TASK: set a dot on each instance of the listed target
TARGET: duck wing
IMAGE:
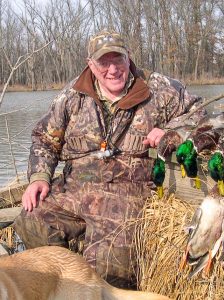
(205, 139)
(193, 226)
(168, 143)
(202, 262)
(205, 240)
(208, 231)
(206, 135)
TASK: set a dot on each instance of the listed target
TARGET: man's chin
(116, 88)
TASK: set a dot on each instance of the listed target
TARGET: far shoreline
(59, 86)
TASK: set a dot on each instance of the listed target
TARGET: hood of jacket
(137, 93)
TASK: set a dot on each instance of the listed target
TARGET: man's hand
(154, 137)
(36, 190)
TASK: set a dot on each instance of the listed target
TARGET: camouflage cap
(105, 42)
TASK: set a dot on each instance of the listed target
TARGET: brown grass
(25, 88)
(59, 86)
(7, 238)
(203, 81)
(161, 242)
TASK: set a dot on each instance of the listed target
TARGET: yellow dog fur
(55, 273)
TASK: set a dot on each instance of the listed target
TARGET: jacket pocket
(133, 142)
(77, 144)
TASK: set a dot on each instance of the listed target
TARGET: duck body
(206, 234)
(188, 141)
(190, 166)
(187, 157)
(216, 170)
(207, 133)
(167, 145)
(158, 175)
(205, 136)
(216, 166)
(206, 227)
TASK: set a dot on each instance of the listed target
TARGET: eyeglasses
(103, 64)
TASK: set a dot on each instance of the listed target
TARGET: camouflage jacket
(74, 126)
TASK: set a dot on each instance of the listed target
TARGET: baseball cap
(104, 42)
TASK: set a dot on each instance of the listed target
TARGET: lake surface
(26, 109)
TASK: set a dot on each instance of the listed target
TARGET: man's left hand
(154, 137)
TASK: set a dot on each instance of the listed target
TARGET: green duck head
(216, 170)
(158, 175)
(184, 150)
(187, 158)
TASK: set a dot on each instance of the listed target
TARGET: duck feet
(183, 172)
(208, 265)
(221, 187)
(183, 261)
(160, 191)
(197, 182)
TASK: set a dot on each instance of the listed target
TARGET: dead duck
(167, 145)
(216, 170)
(203, 137)
(158, 175)
(186, 155)
(206, 234)
(188, 141)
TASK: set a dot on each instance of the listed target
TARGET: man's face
(112, 71)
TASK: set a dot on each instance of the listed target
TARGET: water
(30, 106)
(207, 92)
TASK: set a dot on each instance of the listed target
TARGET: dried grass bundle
(161, 242)
(11, 241)
(7, 237)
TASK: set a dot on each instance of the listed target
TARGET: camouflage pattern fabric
(102, 196)
(108, 202)
(74, 125)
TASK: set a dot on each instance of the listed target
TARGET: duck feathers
(206, 233)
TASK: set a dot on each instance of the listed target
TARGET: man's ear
(129, 56)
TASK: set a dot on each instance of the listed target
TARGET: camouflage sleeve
(48, 138)
(173, 101)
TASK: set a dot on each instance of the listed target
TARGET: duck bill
(183, 172)
(221, 187)
(197, 182)
(160, 191)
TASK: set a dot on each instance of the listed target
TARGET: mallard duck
(205, 235)
(158, 175)
(188, 141)
(186, 155)
(216, 170)
(167, 145)
(205, 136)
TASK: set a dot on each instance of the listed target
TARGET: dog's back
(55, 273)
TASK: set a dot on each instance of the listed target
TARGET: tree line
(179, 38)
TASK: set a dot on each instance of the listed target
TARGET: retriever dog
(56, 273)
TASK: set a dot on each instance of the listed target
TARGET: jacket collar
(137, 93)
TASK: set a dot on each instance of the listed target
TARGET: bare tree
(181, 38)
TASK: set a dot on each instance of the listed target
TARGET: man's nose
(112, 67)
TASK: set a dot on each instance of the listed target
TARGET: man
(101, 125)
